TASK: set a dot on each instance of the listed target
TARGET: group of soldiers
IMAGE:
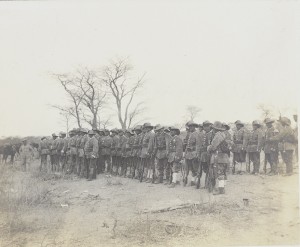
(158, 154)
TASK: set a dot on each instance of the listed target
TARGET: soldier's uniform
(100, 164)
(114, 149)
(191, 152)
(44, 152)
(53, 153)
(254, 145)
(175, 154)
(219, 158)
(147, 162)
(82, 168)
(123, 139)
(60, 150)
(160, 151)
(168, 169)
(128, 153)
(239, 144)
(106, 142)
(72, 152)
(286, 139)
(136, 151)
(91, 150)
(271, 147)
(205, 138)
(26, 152)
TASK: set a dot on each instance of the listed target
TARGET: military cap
(167, 129)
(25, 139)
(269, 120)
(43, 138)
(191, 123)
(121, 131)
(226, 126)
(207, 123)
(158, 127)
(200, 125)
(147, 125)
(106, 131)
(256, 122)
(84, 130)
(91, 132)
(175, 128)
(218, 126)
(114, 130)
(62, 133)
(74, 130)
(239, 122)
(138, 127)
(101, 130)
(129, 131)
(54, 135)
(285, 120)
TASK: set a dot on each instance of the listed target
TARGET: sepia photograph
(141, 123)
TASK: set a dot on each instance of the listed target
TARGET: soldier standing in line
(100, 164)
(129, 153)
(167, 169)
(53, 152)
(106, 141)
(26, 152)
(59, 150)
(136, 150)
(44, 152)
(185, 140)
(254, 145)
(191, 158)
(175, 154)
(270, 147)
(160, 151)
(91, 150)
(205, 138)
(147, 153)
(286, 139)
(120, 152)
(114, 146)
(81, 169)
(77, 144)
(219, 158)
(239, 142)
(72, 151)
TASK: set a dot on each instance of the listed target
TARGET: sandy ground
(117, 212)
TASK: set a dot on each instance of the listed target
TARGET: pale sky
(223, 56)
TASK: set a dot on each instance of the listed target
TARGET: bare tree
(93, 95)
(193, 112)
(123, 90)
(75, 96)
(66, 119)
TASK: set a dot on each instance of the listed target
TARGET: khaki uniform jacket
(72, 145)
(239, 139)
(135, 145)
(54, 145)
(192, 146)
(217, 155)
(44, 147)
(114, 145)
(175, 149)
(106, 142)
(147, 145)
(269, 145)
(285, 138)
(91, 148)
(254, 141)
(160, 145)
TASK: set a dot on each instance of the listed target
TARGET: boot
(91, 175)
(174, 180)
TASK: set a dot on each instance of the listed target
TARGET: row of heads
(217, 125)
